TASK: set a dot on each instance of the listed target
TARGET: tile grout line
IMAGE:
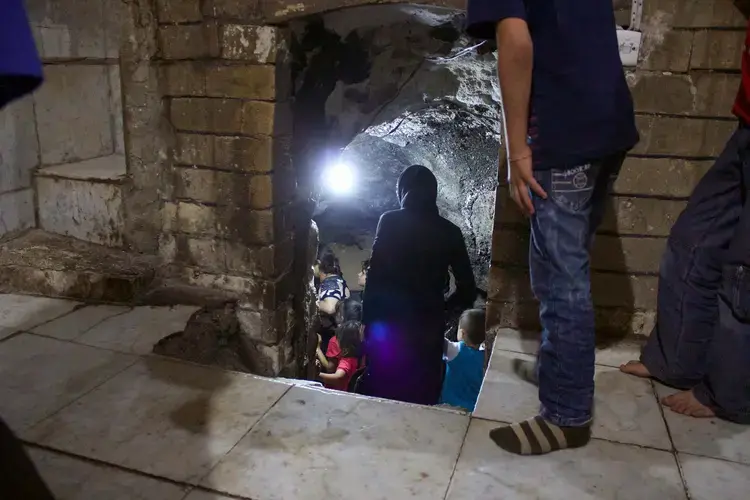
(674, 451)
(458, 457)
(249, 430)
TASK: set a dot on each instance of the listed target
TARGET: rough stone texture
(83, 200)
(697, 14)
(664, 177)
(257, 44)
(249, 154)
(665, 50)
(178, 11)
(700, 94)
(195, 41)
(73, 113)
(229, 116)
(70, 29)
(46, 264)
(256, 191)
(258, 82)
(19, 148)
(16, 211)
(664, 135)
(717, 50)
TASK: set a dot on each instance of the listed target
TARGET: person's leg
(561, 235)
(725, 390)
(690, 275)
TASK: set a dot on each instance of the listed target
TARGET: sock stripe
(557, 432)
(544, 443)
(522, 439)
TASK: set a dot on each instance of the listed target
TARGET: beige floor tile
(504, 396)
(23, 312)
(39, 376)
(75, 324)
(138, 330)
(627, 411)
(600, 471)
(162, 417)
(708, 437)
(512, 340)
(73, 479)
(711, 479)
(317, 444)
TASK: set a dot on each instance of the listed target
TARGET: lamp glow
(339, 178)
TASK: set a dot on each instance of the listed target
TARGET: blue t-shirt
(20, 67)
(581, 109)
(464, 373)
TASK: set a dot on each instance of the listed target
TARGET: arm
(325, 364)
(376, 279)
(466, 286)
(328, 306)
(332, 377)
(450, 350)
(515, 61)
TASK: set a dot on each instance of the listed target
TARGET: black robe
(404, 304)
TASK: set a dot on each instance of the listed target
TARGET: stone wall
(70, 131)
(683, 88)
(227, 216)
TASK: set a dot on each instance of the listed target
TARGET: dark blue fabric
(463, 378)
(702, 335)
(562, 231)
(581, 107)
(20, 67)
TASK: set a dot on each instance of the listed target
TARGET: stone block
(662, 135)
(607, 289)
(229, 116)
(258, 293)
(265, 327)
(251, 227)
(696, 13)
(666, 50)
(116, 12)
(184, 78)
(19, 148)
(16, 211)
(665, 177)
(701, 94)
(249, 154)
(236, 9)
(83, 200)
(717, 50)
(641, 216)
(178, 11)
(257, 44)
(246, 82)
(115, 103)
(216, 187)
(632, 255)
(193, 41)
(67, 30)
(73, 113)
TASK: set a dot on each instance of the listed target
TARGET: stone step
(83, 199)
(42, 263)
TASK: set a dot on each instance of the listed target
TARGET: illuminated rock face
(384, 88)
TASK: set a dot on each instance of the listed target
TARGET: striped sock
(537, 436)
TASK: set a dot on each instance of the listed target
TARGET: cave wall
(684, 87)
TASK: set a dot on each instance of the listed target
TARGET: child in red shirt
(341, 360)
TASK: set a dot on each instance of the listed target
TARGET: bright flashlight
(339, 178)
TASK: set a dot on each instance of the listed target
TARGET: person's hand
(320, 340)
(521, 179)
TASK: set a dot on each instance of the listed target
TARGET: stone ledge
(110, 168)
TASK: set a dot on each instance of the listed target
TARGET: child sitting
(464, 362)
(341, 361)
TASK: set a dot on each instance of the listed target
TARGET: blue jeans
(701, 340)
(562, 232)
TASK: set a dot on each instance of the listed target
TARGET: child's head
(348, 337)
(348, 310)
(362, 277)
(471, 327)
(328, 264)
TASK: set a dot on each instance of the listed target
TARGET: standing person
(20, 74)
(569, 122)
(403, 306)
(331, 291)
(701, 340)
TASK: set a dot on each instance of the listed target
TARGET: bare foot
(635, 368)
(686, 403)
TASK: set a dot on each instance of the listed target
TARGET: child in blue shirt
(465, 362)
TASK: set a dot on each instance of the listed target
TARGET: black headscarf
(417, 189)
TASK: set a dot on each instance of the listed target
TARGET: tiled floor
(105, 419)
